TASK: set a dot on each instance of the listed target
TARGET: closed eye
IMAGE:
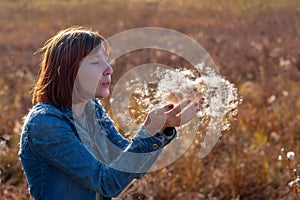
(95, 62)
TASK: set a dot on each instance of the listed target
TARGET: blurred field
(256, 45)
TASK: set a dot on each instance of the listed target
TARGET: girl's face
(94, 74)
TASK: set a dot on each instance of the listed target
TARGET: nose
(108, 71)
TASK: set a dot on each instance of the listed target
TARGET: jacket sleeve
(57, 145)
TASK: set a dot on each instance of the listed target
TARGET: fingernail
(170, 106)
(201, 101)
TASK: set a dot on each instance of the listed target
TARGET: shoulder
(46, 118)
(43, 111)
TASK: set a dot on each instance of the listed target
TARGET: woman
(69, 147)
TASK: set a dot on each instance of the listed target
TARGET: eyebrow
(93, 56)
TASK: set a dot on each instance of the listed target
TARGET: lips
(106, 84)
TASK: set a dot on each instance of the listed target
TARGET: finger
(161, 110)
(189, 113)
(185, 116)
(169, 107)
(201, 101)
(180, 107)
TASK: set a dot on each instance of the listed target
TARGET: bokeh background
(256, 46)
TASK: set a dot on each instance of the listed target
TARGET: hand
(168, 116)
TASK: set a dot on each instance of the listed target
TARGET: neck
(78, 108)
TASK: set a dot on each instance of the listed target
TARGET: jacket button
(155, 146)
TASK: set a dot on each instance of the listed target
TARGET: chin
(102, 95)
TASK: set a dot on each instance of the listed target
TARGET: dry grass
(254, 43)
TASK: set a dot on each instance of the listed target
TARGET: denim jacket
(66, 156)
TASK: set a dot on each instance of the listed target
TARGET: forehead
(98, 50)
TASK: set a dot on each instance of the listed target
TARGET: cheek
(89, 79)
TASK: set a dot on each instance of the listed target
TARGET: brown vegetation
(255, 44)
